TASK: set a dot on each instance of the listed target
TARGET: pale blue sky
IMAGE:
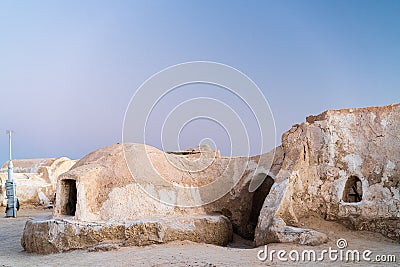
(68, 69)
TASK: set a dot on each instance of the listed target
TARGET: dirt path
(183, 253)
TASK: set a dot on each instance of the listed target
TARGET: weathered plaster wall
(309, 172)
(107, 191)
(321, 155)
(36, 179)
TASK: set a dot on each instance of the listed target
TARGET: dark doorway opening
(257, 203)
(352, 190)
(70, 197)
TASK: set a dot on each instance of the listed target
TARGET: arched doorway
(352, 190)
(257, 202)
(68, 197)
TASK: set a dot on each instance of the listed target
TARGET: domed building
(134, 194)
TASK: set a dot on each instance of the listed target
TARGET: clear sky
(69, 68)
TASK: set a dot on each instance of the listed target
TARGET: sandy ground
(187, 253)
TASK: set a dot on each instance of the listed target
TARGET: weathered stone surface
(36, 179)
(279, 232)
(51, 236)
(321, 156)
(108, 191)
(342, 165)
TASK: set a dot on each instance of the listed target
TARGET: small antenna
(10, 132)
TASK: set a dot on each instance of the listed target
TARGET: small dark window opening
(70, 197)
(257, 203)
(353, 190)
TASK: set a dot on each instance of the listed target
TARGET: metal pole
(9, 140)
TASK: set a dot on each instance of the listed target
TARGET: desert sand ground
(239, 253)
